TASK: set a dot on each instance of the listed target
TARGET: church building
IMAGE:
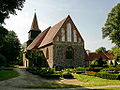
(61, 44)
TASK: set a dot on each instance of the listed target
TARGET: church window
(63, 34)
(57, 38)
(75, 35)
(47, 54)
(69, 32)
(79, 39)
(69, 53)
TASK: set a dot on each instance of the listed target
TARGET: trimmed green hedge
(107, 75)
(50, 76)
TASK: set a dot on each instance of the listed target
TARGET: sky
(89, 17)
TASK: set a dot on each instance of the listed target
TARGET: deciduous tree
(11, 47)
(101, 50)
(112, 25)
(9, 7)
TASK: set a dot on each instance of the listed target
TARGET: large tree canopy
(112, 25)
(11, 47)
(3, 32)
(116, 51)
(8, 7)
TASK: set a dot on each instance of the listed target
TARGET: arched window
(47, 54)
(69, 53)
(75, 35)
(63, 34)
(57, 38)
(69, 32)
(79, 40)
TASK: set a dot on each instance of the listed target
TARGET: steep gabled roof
(51, 33)
(36, 42)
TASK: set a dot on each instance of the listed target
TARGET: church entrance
(69, 57)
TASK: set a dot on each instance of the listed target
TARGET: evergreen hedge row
(107, 75)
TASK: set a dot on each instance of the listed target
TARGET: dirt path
(27, 79)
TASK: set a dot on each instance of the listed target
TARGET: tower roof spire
(34, 25)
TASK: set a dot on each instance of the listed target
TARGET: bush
(68, 76)
(108, 69)
(2, 60)
(49, 70)
(107, 75)
(97, 69)
(80, 69)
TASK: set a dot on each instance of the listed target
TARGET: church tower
(34, 30)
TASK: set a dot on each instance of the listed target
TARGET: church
(61, 44)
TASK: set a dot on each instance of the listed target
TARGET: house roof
(92, 56)
(38, 39)
(51, 33)
(34, 25)
(109, 56)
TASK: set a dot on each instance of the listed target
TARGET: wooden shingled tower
(34, 30)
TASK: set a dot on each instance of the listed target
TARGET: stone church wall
(59, 51)
(49, 55)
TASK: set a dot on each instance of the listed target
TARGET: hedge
(107, 75)
(51, 76)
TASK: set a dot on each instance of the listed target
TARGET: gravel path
(24, 80)
(27, 79)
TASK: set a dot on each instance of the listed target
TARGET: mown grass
(113, 88)
(88, 81)
(54, 86)
(94, 81)
(7, 74)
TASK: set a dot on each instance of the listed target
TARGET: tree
(8, 7)
(3, 32)
(98, 62)
(112, 26)
(116, 51)
(101, 50)
(36, 59)
(2, 60)
(11, 47)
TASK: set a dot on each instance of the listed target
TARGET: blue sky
(88, 15)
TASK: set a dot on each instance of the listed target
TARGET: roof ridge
(52, 32)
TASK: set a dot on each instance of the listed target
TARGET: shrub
(97, 69)
(80, 69)
(36, 59)
(49, 70)
(107, 75)
(108, 69)
(2, 60)
(98, 63)
(68, 76)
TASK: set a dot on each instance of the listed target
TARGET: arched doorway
(69, 56)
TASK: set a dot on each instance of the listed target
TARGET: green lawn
(88, 81)
(95, 81)
(53, 86)
(113, 88)
(7, 74)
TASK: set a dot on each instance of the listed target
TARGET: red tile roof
(51, 33)
(47, 37)
(36, 42)
(92, 56)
